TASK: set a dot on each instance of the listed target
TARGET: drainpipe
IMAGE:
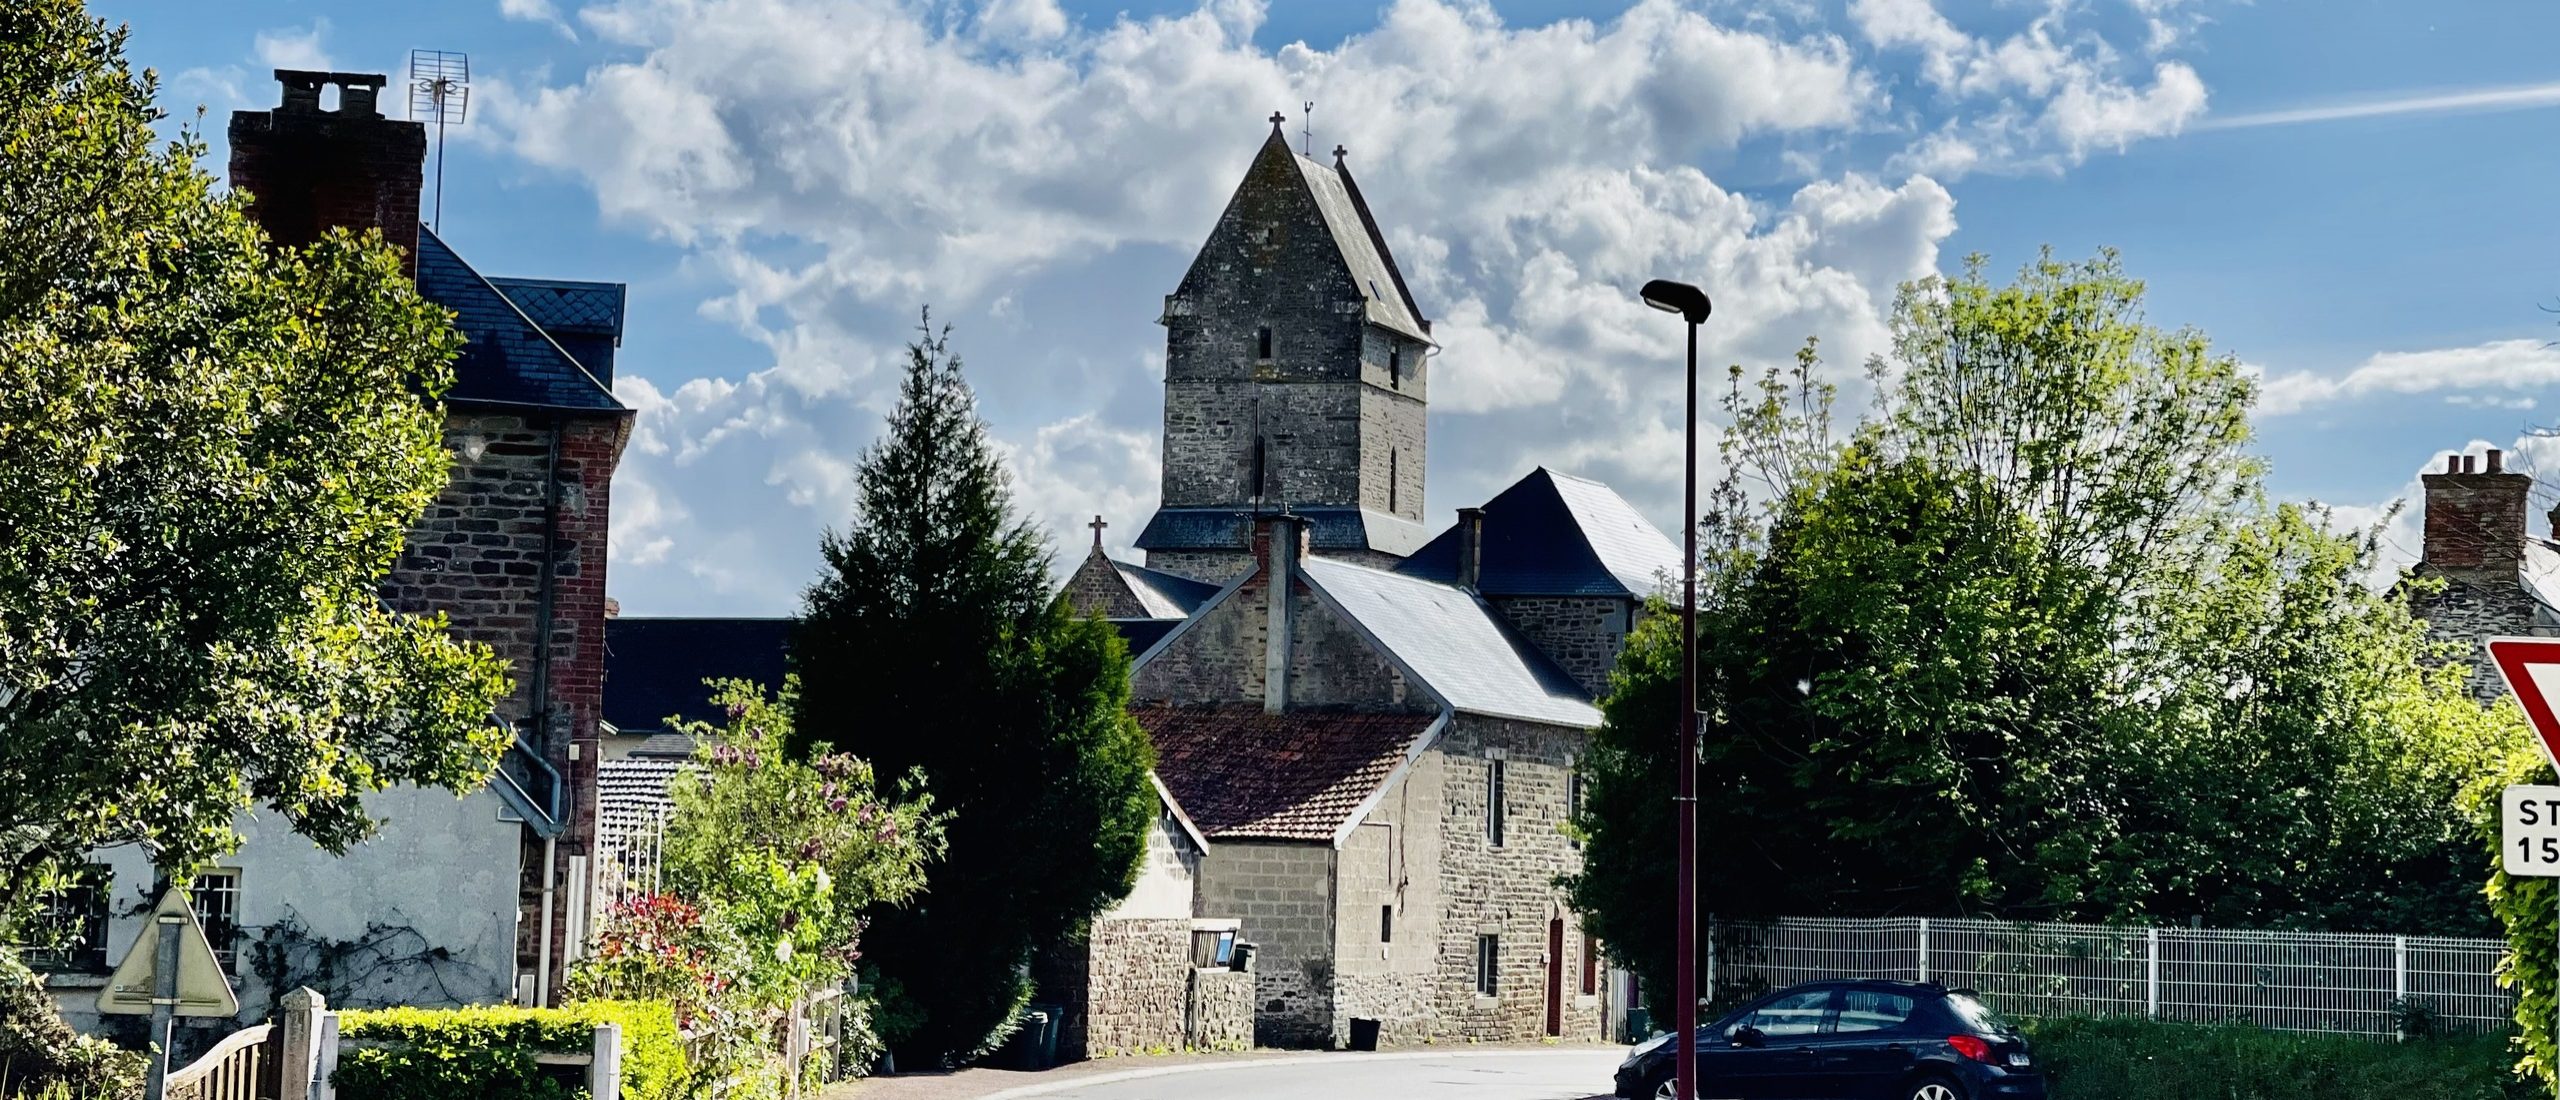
(542, 617)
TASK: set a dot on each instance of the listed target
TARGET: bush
(487, 1053)
(41, 1056)
(2137, 1059)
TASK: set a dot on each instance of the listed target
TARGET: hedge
(2138, 1059)
(487, 1052)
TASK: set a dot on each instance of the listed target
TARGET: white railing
(2291, 981)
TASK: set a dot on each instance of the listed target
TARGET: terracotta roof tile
(1243, 774)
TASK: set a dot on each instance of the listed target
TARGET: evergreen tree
(931, 642)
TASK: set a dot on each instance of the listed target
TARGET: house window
(1488, 964)
(1262, 343)
(1493, 809)
(74, 924)
(1395, 367)
(1590, 965)
(1386, 924)
(216, 895)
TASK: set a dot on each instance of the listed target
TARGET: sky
(2352, 197)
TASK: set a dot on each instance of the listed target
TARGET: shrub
(41, 1056)
(2137, 1059)
(488, 1053)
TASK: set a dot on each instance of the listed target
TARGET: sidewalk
(975, 1083)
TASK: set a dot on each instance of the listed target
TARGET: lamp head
(1688, 301)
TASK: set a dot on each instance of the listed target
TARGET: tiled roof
(631, 793)
(1164, 595)
(566, 304)
(1243, 774)
(654, 668)
(506, 358)
(1454, 643)
(1355, 235)
(1553, 534)
(1329, 528)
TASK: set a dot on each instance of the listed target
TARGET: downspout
(542, 616)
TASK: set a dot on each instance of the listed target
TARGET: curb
(1047, 1087)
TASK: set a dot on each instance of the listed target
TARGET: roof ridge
(1395, 273)
(428, 233)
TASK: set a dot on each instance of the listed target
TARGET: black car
(1848, 1040)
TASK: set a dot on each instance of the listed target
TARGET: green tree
(209, 454)
(2031, 643)
(931, 642)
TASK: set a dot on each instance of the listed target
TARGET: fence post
(299, 1055)
(2151, 974)
(604, 1075)
(2399, 968)
(1924, 949)
(325, 1056)
(1711, 956)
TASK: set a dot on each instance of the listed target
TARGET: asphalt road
(1474, 1075)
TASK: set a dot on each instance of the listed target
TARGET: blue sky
(2351, 195)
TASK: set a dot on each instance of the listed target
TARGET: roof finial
(1307, 131)
(1338, 153)
(1097, 526)
(1276, 119)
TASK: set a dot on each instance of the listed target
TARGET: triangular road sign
(2531, 667)
(203, 989)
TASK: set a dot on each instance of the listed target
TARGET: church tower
(1294, 378)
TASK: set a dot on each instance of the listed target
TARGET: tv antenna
(440, 84)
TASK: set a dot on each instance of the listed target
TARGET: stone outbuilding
(2497, 578)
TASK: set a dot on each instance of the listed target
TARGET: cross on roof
(1276, 119)
(1097, 526)
(1339, 151)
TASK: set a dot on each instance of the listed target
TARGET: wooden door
(1555, 976)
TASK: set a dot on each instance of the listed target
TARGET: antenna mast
(1307, 130)
(440, 83)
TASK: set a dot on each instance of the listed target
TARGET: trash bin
(1241, 958)
(1364, 1034)
(1052, 1019)
(1021, 1050)
(1639, 1026)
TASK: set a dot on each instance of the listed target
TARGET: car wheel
(1668, 1089)
(1936, 1088)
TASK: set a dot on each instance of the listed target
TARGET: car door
(1869, 1049)
(1767, 1053)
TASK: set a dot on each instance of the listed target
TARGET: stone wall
(1219, 658)
(1388, 885)
(1221, 1010)
(1283, 894)
(1508, 891)
(1138, 987)
(2471, 612)
(1216, 567)
(1096, 588)
(1581, 634)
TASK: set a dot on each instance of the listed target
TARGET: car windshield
(1979, 1015)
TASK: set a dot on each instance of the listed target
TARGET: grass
(2137, 1059)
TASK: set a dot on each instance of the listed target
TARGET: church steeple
(1294, 376)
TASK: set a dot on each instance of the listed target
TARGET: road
(1473, 1075)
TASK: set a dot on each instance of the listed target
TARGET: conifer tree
(931, 642)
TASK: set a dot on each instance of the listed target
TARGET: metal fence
(2290, 981)
(630, 861)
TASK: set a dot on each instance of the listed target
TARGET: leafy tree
(2031, 643)
(2528, 909)
(931, 642)
(209, 454)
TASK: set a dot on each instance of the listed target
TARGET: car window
(1975, 1014)
(1793, 1014)
(1872, 1010)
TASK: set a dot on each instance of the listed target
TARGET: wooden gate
(1555, 976)
(245, 1065)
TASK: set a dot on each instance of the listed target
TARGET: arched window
(1262, 343)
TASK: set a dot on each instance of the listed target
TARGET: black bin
(1364, 1034)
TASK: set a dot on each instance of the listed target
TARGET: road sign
(2529, 831)
(201, 988)
(2531, 667)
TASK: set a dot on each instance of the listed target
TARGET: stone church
(1371, 727)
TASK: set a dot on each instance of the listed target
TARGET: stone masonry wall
(1216, 567)
(2473, 611)
(1283, 895)
(1582, 634)
(1216, 659)
(1138, 986)
(1221, 1010)
(477, 556)
(1394, 428)
(1388, 884)
(1097, 589)
(1508, 891)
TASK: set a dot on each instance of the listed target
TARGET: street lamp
(1692, 305)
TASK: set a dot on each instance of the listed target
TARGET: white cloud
(295, 48)
(2500, 365)
(2514, 97)
(537, 11)
(832, 164)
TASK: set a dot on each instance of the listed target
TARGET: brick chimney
(308, 170)
(1279, 544)
(1470, 547)
(2475, 518)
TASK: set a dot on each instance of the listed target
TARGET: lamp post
(1692, 305)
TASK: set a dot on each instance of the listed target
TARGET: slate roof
(1164, 595)
(2539, 572)
(631, 793)
(1242, 774)
(1553, 534)
(1142, 634)
(584, 318)
(655, 667)
(1329, 528)
(1364, 250)
(506, 358)
(1454, 643)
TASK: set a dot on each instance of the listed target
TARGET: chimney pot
(2497, 460)
(1470, 547)
(2453, 464)
(2466, 464)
